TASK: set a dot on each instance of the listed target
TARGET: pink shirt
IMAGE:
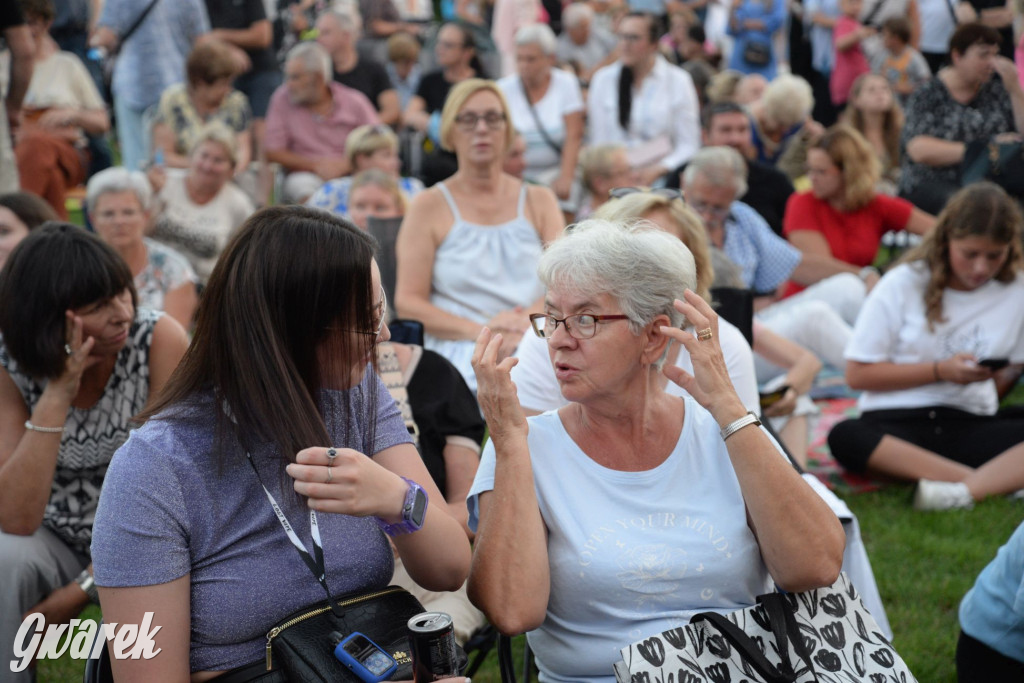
(296, 129)
(849, 63)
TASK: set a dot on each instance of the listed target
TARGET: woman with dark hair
(275, 398)
(928, 351)
(79, 361)
(20, 214)
(644, 102)
(963, 105)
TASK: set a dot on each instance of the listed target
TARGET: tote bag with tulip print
(823, 636)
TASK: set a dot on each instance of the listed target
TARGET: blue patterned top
(765, 259)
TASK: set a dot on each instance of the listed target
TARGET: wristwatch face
(419, 508)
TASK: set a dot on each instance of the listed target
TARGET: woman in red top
(843, 216)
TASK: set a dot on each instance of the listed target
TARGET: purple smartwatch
(414, 510)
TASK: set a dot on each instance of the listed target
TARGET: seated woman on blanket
(919, 352)
(626, 549)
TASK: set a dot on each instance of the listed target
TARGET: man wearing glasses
(818, 318)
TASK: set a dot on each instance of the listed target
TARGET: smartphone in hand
(772, 397)
(994, 363)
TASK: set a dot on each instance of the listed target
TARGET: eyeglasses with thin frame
(718, 213)
(668, 193)
(579, 326)
(468, 121)
(380, 310)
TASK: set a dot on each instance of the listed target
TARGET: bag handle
(785, 629)
(743, 644)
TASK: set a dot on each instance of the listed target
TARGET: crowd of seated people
(563, 232)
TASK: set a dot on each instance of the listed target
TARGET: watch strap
(408, 525)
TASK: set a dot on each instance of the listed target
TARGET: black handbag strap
(536, 119)
(138, 22)
(744, 645)
(785, 629)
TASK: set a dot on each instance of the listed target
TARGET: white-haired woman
(200, 210)
(783, 128)
(119, 209)
(625, 550)
(547, 108)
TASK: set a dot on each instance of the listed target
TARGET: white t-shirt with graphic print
(987, 322)
(633, 553)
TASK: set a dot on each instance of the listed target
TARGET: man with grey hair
(582, 44)
(309, 119)
(338, 32)
(712, 181)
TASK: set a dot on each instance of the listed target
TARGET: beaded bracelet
(44, 430)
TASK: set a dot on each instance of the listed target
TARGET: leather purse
(999, 162)
(301, 644)
(757, 53)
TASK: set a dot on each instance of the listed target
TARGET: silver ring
(332, 453)
(329, 475)
(68, 350)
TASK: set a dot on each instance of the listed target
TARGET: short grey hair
(576, 13)
(118, 179)
(313, 57)
(646, 269)
(540, 35)
(720, 166)
(348, 21)
(788, 100)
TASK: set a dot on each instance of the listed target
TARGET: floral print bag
(824, 636)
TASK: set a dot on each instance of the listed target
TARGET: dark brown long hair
(271, 324)
(979, 210)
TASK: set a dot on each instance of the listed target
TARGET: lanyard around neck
(315, 562)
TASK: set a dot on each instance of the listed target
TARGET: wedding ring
(705, 334)
(68, 350)
(329, 475)
(332, 453)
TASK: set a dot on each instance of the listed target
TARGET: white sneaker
(942, 495)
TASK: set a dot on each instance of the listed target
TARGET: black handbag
(999, 162)
(757, 53)
(301, 644)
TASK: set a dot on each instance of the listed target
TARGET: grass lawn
(923, 562)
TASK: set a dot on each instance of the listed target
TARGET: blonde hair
(892, 122)
(595, 161)
(457, 98)
(857, 162)
(689, 228)
(722, 87)
(981, 209)
(788, 100)
(381, 179)
(216, 131)
(365, 140)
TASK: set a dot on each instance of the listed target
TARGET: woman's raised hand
(495, 391)
(349, 483)
(512, 324)
(78, 359)
(709, 384)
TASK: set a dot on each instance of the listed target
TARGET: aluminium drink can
(434, 652)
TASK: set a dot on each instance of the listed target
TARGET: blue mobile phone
(365, 658)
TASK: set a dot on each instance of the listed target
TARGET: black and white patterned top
(933, 111)
(91, 436)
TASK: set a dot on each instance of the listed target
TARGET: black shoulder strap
(138, 22)
(536, 119)
(869, 20)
